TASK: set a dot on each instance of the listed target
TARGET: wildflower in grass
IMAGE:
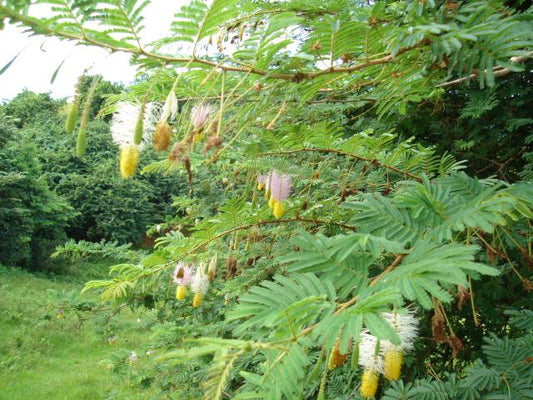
(199, 285)
(406, 326)
(132, 358)
(280, 186)
(182, 277)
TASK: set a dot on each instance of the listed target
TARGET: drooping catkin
(162, 136)
(72, 113)
(129, 156)
(139, 126)
(81, 144)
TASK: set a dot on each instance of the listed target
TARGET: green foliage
(31, 215)
(333, 95)
(504, 373)
(107, 207)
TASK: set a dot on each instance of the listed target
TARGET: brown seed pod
(162, 136)
(231, 267)
(177, 152)
(212, 141)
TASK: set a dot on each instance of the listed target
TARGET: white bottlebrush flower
(369, 357)
(124, 122)
(200, 281)
(406, 326)
(170, 108)
(199, 285)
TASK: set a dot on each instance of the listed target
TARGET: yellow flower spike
(278, 209)
(260, 186)
(392, 364)
(197, 300)
(271, 202)
(369, 384)
(129, 156)
(181, 292)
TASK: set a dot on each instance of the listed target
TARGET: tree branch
(343, 153)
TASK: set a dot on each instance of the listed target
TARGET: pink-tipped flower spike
(199, 115)
(182, 277)
(261, 179)
(199, 285)
(280, 189)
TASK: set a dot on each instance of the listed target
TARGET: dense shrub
(108, 207)
(32, 217)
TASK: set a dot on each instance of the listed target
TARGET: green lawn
(43, 356)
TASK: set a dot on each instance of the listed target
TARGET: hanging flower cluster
(277, 188)
(200, 114)
(130, 123)
(196, 278)
(383, 357)
(163, 130)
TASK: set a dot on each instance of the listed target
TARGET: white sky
(34, 67)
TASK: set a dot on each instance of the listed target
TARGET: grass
(54, 344)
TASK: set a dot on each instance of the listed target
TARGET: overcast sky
(40, 56)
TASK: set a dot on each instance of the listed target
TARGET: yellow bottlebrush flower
(129, 156)
(162, 136)
(369, 384)
(392, 364)
(181, 292)
(197, 300)
(278, 209)
(271, 202)
(199, 286)
(197, 138)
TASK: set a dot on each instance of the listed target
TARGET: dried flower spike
(162, 136)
